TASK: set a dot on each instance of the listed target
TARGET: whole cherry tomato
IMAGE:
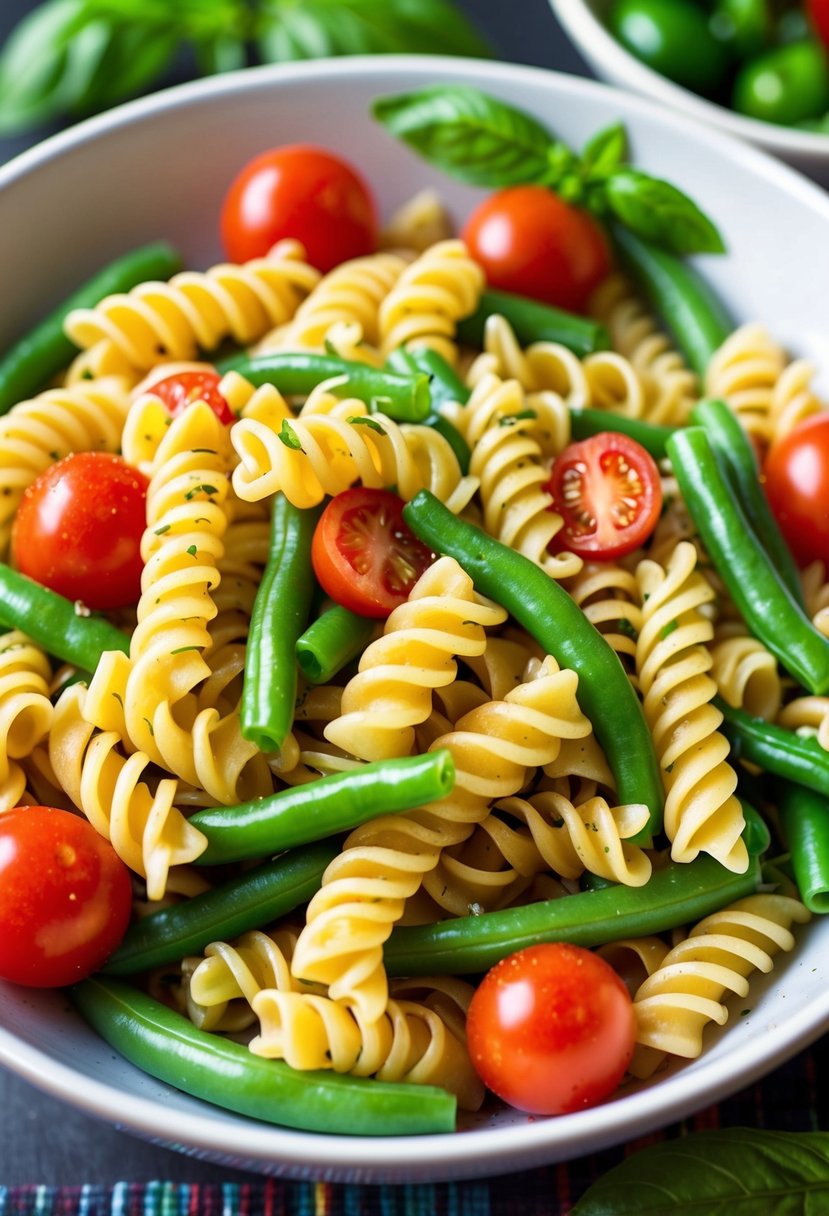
(818, 11)
(183, 388)
(796, 476)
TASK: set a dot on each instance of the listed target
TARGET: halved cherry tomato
(551, 1029)
(796, 476)
(182, 389)
(65, 897)
(304, 192)
(78, 529)
(530, 242)
(363, 553)
(608, 491)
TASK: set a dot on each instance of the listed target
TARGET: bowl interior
(158, 168)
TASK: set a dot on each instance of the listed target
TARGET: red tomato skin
(551, 1029)
(374, 515)
(530, 242)
(182, 389)
(796, 478)
(818, 11)
(304, 192)
(65, 897)
(78, 530)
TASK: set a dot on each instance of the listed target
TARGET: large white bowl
(584, 22)
(158, 168)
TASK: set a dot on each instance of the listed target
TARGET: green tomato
(674, 38)
(743, 25)
(787, 85)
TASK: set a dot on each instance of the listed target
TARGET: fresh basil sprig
(736, 1171)
(484, 141)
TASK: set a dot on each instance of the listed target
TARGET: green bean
(651, 436)
(280, 614)
(405, 398)
(679, 295)
(764, 602)
(556, 622)
(534, 322)
(804, 817)
(313, 811)
(332, 641)
(735, 453)
(219, 1070)
(62, 628)
(45, 350)
(677, 895)
(247, 901)
(445, 386)
(775, 749)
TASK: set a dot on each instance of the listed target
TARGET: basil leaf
(134, 58)
(220, 54)
(659, 212)
(474, 137)
(737, 1171)
(306, 29)
(33, 65)
(605, 151)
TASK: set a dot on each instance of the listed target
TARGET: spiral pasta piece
(420, 222)
(793, 399)
(746, 673)
(744, 373)
(702, 813)
(807, 715)
(158, 321)
(220, 986)
(542, 367)
(392, 691)
(25, 710)
(614, 384)
(438, 289)
(87, 417)
(686, 992)
(146, 830)
(608, 596)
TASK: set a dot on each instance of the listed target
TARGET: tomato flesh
(78, 530)
(65, 897)
(608, 492)
(364, 555)
(796, 476)
(531, 243)
(551, 1029)
(304, 192)
(182, 389)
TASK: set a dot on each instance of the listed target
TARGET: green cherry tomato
(674, 38)
(787, 85)
(745, 26)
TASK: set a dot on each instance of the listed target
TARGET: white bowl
(158, 167)
(583, 20)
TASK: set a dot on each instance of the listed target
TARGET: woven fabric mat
(793, 1098)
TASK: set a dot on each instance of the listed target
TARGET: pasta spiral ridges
(607, 595)
(542, 367)
(25, 710)
(158, 321)
(793, 399)
(745, 672)
(432, 294)
(702, 813)
(744, 373)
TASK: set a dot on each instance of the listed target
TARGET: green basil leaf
(222, 53)
(307, 29)
(736, 1171)
(33, 65)
(474, 137)
(605, 151)
(135, 57)
(660, 213)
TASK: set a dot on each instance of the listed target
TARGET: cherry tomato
(78, 529)
(182, 389)
(65, 897)
(818, 11)
(674, 38)
(608, 491)
(796, 475)
(789, 84)
(551, 1029)
(363, 553)
(530, 242)
(303, 192)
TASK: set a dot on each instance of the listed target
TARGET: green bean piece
(738, 461)
(247, 901)
(445, 386)
(679, 894)
(756, 832)
(168, 1046)
(318, 809)
(534, 322)
(692, 312)
(556, 622)
(331, 642)
(804, 817)
(45, 350)
(775, 749)
(649, 435)
(62, 628)
(280, 615)
(765, 603)
(405, 398)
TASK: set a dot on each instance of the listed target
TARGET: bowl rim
(592, 38)
(488, 1150)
